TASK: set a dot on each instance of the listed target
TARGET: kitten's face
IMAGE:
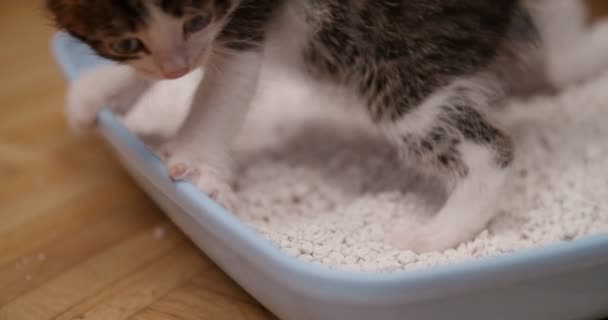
(159, 38)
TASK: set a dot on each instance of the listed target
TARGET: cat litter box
(563, 281)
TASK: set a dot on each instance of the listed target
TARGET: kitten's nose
(173, 65)
(177, 73)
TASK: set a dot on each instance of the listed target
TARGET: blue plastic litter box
(562, 281)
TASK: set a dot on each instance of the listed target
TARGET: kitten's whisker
(213, 65)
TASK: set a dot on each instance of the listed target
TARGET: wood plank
(91, 276)
(598, 8)
(138, 290)
(74, 216)
(215, 280)
(51, 259)
(192, 302)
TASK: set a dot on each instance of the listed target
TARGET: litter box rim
(316, 280)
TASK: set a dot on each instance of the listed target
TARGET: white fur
(148, 118)
(167, 48)
(469, 206)
(570, 49)
(468, 209)
(286, 38)
(113, 86)
(201, 149)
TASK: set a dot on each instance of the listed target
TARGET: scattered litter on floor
(159, 233)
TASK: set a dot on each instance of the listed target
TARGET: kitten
(430, 73)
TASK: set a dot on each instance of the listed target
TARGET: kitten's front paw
(83, 103)
(115, 86)
(216, 187)
(205, 177)
(89, 93)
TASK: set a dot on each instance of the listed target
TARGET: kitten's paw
(180, 164)
(216, 187)
(114, 86)
(207, 178)
(421, 240)
(88, 94)
(83, 104)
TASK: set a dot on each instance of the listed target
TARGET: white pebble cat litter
(328, 192)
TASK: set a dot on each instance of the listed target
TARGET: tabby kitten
(430, 74)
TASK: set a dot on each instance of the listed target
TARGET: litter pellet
(159, 233)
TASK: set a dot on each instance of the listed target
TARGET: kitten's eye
(127, 46)
(195, 24)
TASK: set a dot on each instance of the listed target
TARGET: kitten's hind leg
(454, 141)
(468, 208)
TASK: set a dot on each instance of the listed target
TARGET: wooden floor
(78, 239)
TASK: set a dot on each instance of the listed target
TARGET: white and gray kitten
(430, 74)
